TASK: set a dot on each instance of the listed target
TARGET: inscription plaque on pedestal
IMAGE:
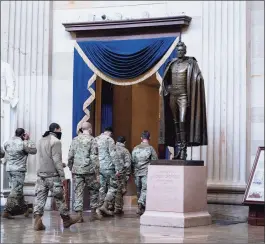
(176, 194)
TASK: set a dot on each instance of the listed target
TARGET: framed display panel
(254, 193)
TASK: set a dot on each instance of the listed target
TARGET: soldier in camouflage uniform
(141, 157)
(84, 163)
(17, 150)
(50, 177)
(109, 169)
(124, 159)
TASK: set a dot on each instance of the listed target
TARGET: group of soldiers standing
(98, 162)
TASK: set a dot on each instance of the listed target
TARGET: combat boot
(95, 215)
(7, 215)
(80, 214)
(111, 207)
(68, 221)
(27, 213)
(139, 211)
(38, 225)
(99, 213)
(104, 209)
(118, 211)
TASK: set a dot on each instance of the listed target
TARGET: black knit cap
(121, 139)
(19, 132)
(110, 129)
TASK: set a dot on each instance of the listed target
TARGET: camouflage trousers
(43, 186)
(108, 182)
(121, 191)
(80, 180)
(141, 184)
(16, 204)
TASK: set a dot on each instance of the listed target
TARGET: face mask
(58, 135)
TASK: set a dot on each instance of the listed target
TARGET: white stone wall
(256, 79)
(25, 45)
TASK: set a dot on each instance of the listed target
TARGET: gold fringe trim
(87, 102)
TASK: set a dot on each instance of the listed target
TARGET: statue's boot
(177, 149)
(183, 144)
(183, 151)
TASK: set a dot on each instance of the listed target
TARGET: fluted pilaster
(224, 69)
(26, 32)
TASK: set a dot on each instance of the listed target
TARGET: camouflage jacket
(141, 157)
(2, 153)
(50, 157)
(124, 159)
(17, 152)
(107, 153)
(83, 155)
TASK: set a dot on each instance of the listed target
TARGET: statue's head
(181, 49)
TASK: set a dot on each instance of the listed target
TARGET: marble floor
(226, 228)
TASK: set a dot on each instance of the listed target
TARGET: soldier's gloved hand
(117, 174)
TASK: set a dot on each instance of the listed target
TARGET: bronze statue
(183, 107)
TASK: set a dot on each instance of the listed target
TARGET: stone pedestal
(176, 194)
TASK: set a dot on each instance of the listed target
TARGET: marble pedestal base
(176, 194)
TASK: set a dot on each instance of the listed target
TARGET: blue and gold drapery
(120, 62)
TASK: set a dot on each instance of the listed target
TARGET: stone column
(26, 46)
(224, 51)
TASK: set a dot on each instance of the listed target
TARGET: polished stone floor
(226, 228)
